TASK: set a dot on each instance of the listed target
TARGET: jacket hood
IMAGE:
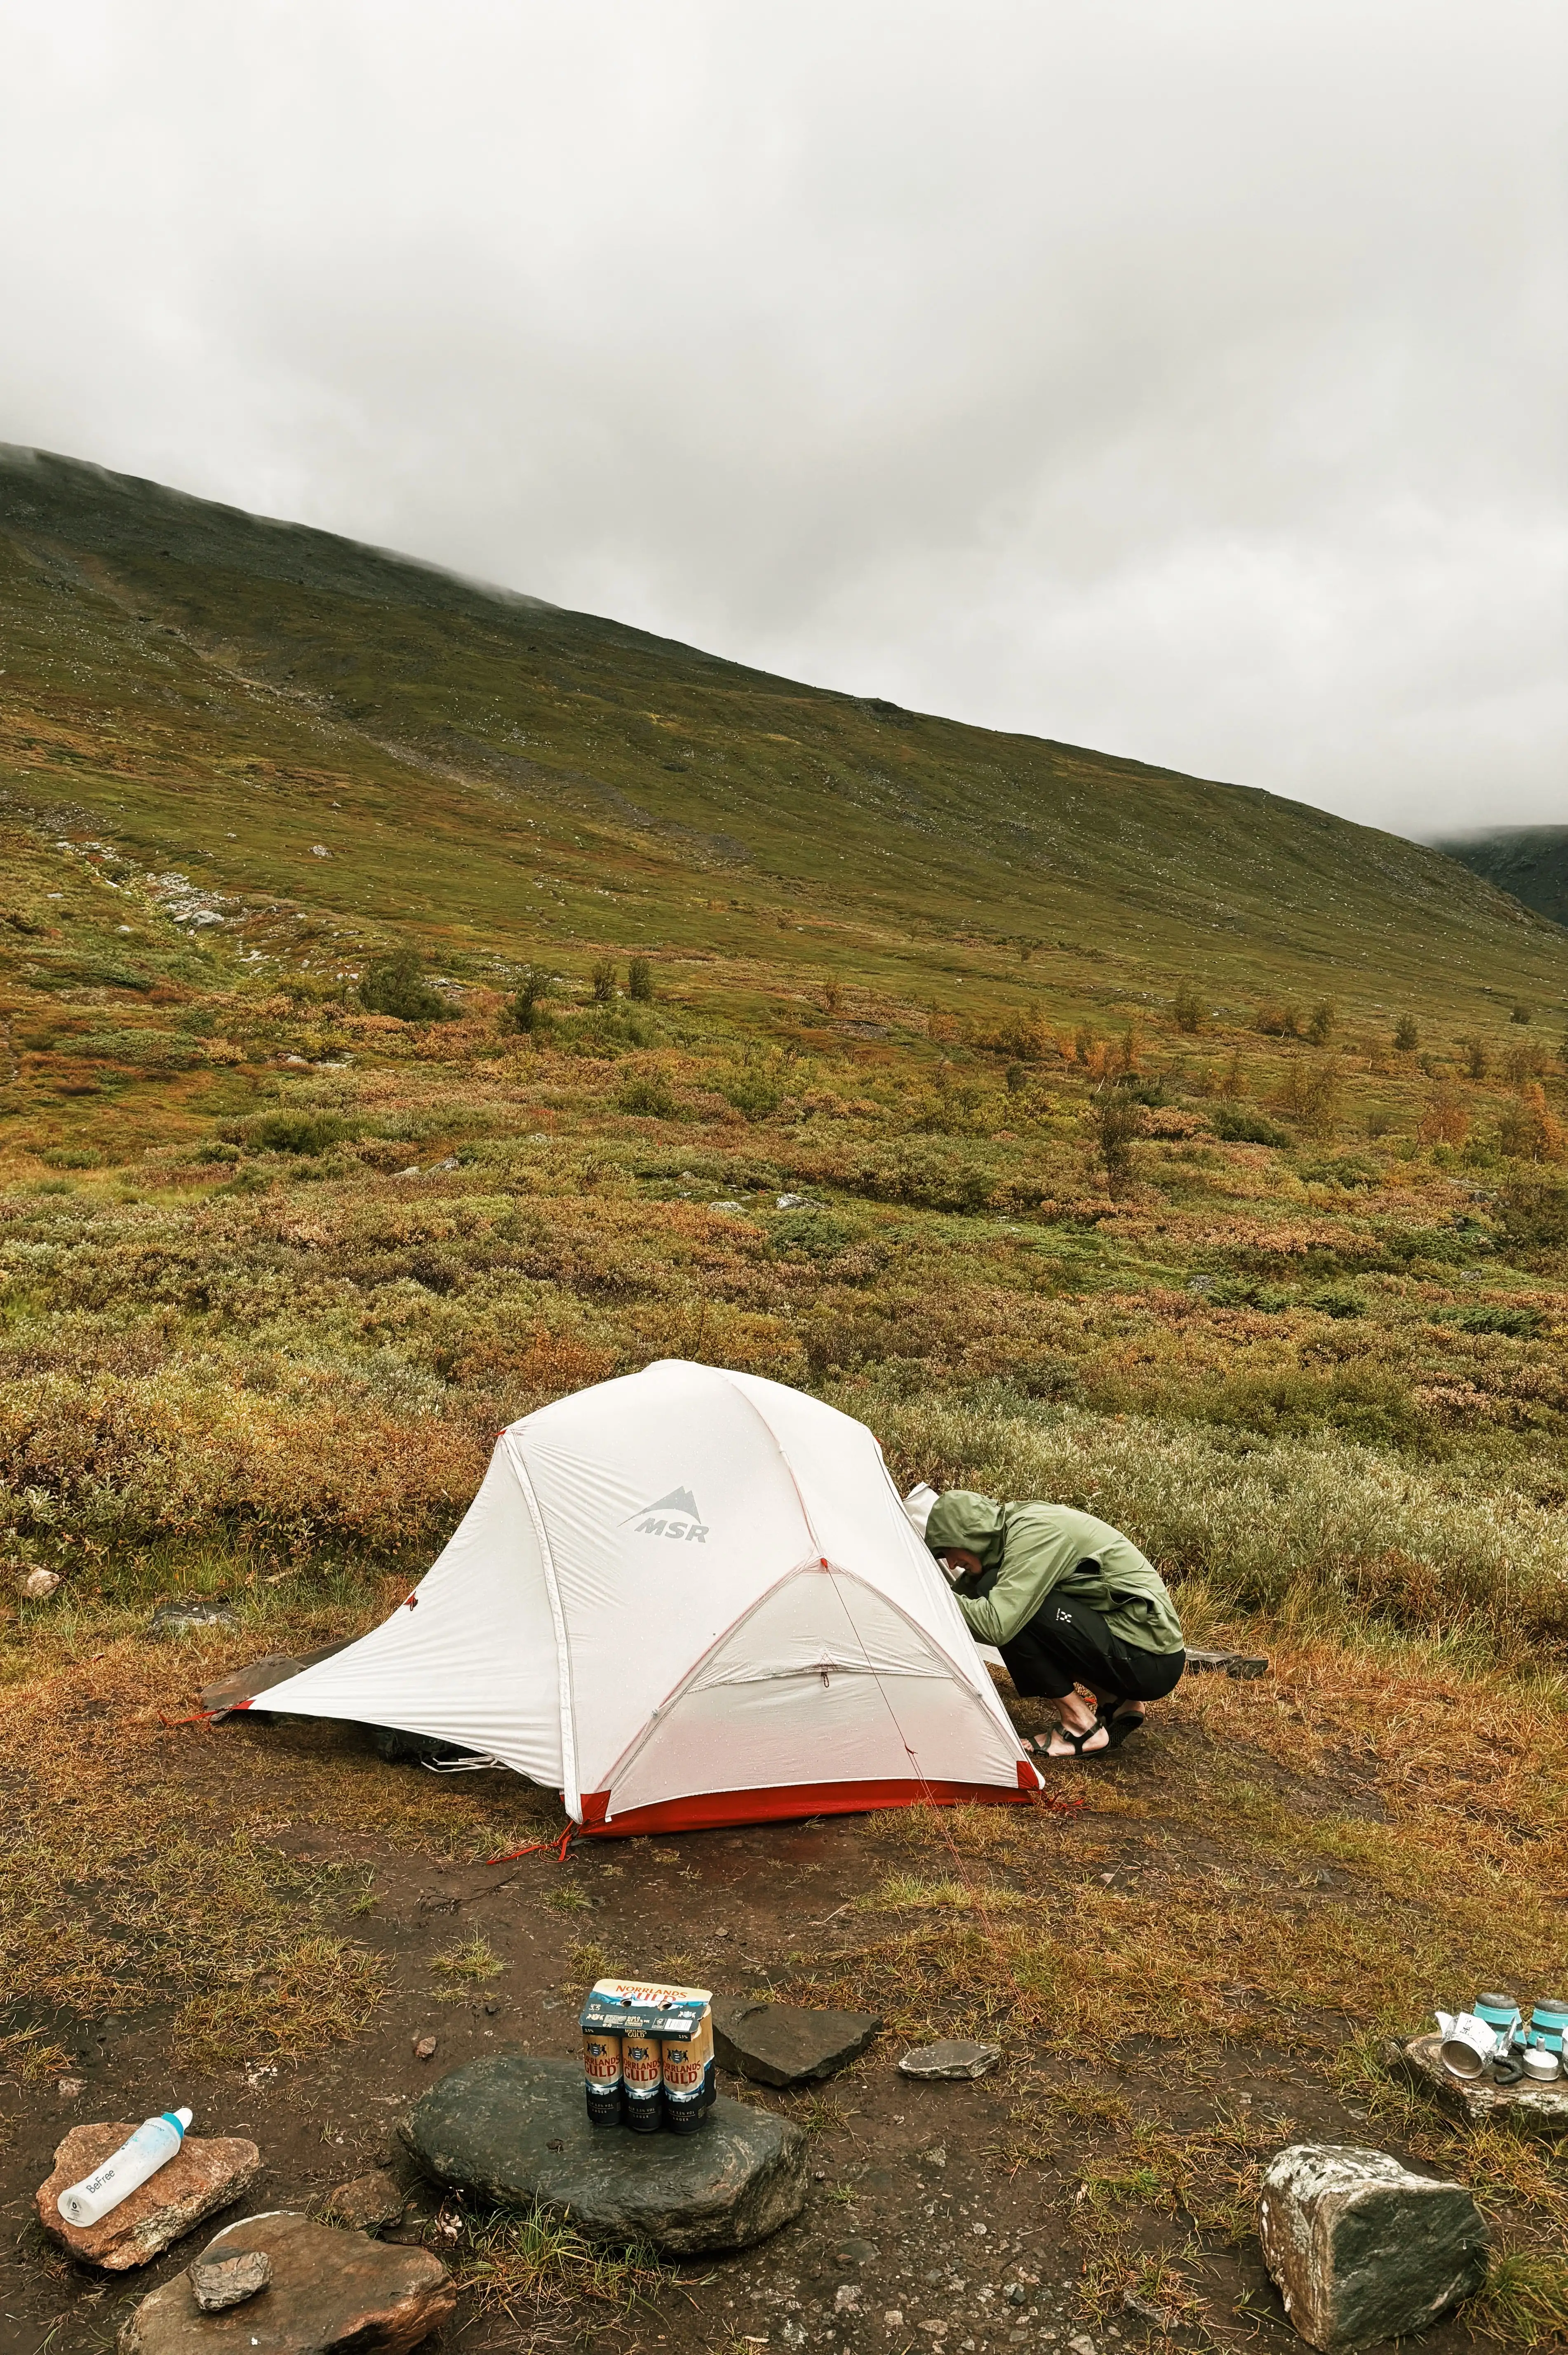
(962, 1516)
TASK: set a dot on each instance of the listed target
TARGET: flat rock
(1362, 2248)
(206, 2173)
(331, 2292)
(226, 1692)
(370, 2200)
(218, 2283)
(1226, 1664)
(951, 2056)
(514, 2128)
(783, 2043)
(1528, 2108)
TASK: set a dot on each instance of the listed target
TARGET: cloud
(1181, 382)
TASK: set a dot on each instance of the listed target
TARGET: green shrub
(1116, 1118)
(1334, 1300)
(1322, 1022)
(605, 981)
(1535, 1211)
(1406, 1037)
(1521, 1014)
(808, 1235)
(640, 981)
(1241, 1125)
(528, 1010)
(753, 1093)
(1186, 1007)
(1493, 1316)
(648, 1093)
(296, 1132)
(396, 985)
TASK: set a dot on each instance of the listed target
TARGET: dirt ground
(1016, 2211)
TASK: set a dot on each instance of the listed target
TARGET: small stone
(39, 1585)
(71, 2088)
(1082, 2344)
(935, 2157)
(1145, 2310)
(488, 2127)
(218, 2283)
(1362, 2248)
(1226, 1664)
(935, 2328)
(846, 2299)
(319, 850)
(893, 2318)
(424, 2048)
(368, 2201)
(331, 2293)
(259, 1675)
(205, 2174)
(186, 1618)
(784, 2044)
(951, 2056)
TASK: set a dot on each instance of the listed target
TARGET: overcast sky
(1182, 378)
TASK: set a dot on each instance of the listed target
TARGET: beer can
(689, 2076)
(642, 2072)
(602, 2077)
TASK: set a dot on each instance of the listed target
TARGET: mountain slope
(226, 692)
(1530, 861)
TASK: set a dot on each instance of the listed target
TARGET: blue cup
(1549, 2024)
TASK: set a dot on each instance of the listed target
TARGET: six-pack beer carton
(648, 2055)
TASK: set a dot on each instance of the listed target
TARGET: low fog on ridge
(1184, 382)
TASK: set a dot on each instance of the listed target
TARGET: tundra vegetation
(417, 1003)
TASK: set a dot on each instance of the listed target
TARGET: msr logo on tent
(675, 1516)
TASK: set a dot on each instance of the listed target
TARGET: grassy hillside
(1530, 861)
(1088, 1129)
(224, 692)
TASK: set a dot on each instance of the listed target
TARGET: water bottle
(152, 2144)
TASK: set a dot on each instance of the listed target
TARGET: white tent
(683, 1598)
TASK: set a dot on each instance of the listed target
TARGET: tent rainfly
(685, 1598)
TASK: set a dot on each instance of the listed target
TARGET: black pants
(1067, 1643)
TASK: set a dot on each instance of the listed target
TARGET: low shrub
(1239, 1123)
(396, 985)
(1493, 1316)
(648, 1094)
(295, 1132)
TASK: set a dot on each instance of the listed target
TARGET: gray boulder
(1362, 2249)
(514, 2128)
(783, 2043)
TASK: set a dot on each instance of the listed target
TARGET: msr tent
(687, 1597)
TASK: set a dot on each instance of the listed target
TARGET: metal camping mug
(1468, 2044)
(1502, 2018)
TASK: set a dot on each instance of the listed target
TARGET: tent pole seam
(571, 1795)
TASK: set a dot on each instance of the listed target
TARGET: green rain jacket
(1027, 1552)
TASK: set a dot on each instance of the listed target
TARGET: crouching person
(1068, 1601)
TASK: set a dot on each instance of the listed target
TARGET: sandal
(1119, 1727)
(1079, 1742)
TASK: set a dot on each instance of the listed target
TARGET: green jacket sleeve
(1035, 1560)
